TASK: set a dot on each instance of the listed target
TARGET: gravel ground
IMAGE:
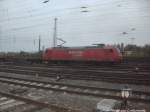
(76, 102)
(82, 103)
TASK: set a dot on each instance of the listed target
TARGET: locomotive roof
(81, 47)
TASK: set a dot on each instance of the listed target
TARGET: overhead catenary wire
(27, 38)
(54, 11)
(29, 26)
(43, 6)
(48, 18)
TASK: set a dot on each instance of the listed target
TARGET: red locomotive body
(105, 54)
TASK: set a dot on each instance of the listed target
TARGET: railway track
(133, 77)
(82, 68)
(137, 96)
(125, 64)
(120, 67)
(7, 102)
(16, 100)
(75, 69)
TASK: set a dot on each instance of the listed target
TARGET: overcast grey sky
(107, 21)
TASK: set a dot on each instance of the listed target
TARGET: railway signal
(125, 94)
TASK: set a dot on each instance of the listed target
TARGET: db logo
(76, 53)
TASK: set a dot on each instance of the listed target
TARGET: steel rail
(100, 70)
(137, 74)
(75, 86)
(38, 103)
(119, 78)
(111, 68)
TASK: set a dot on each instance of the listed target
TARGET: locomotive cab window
(111, 50)
(46, 51)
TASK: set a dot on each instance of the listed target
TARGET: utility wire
(54, 11)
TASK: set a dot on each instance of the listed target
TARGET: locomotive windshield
(46, 51)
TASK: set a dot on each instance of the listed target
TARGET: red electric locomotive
(85, 54)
